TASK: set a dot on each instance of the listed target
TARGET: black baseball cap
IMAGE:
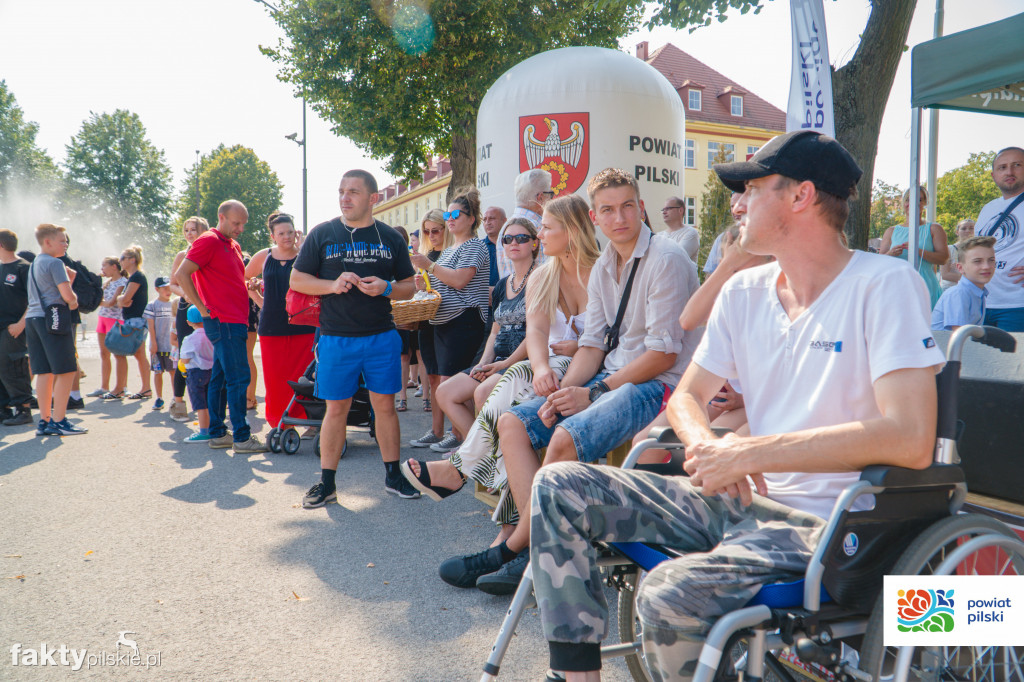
(800, 155)
(162, 282)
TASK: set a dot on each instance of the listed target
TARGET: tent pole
(914, 216)
(933, 130)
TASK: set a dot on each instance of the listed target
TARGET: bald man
(213, 279)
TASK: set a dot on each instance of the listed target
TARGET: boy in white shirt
(195, 361)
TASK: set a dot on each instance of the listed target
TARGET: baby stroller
(284, 437)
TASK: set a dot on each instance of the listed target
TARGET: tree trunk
(463, 156)
(861, 90)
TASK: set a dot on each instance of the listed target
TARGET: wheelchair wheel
(274, 440)
(629, 624)
(290, 441)
(316, 446)
(921, 558)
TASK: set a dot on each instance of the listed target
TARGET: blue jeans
(230, 378)
(609, 422)
(1007, 319)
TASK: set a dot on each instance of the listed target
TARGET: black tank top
(273, 318)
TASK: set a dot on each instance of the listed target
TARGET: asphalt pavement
(126, 548)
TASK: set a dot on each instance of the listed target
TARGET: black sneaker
(317, 496)
(6, 413)
(463, 571)
(401, 487)
(75, 403)
(20, 418)
(41, 428)
(506, 579)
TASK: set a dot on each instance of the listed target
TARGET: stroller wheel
(290, 441)
(316, 446)
(274, 440)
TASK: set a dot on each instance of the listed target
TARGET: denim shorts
(341, 359)
(609, 422)
(198, 380)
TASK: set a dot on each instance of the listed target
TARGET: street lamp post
(197, 182)
(301, 143)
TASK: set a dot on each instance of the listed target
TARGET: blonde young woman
(506, 344)
(192, 228)
(108, 314)
(434, 240)
(133, 303)
(556, 303)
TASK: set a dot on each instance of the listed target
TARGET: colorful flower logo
(925, 611)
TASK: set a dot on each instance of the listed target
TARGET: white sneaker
(95, 394)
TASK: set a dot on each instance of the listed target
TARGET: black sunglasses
(517, 238)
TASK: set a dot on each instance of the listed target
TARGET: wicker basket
(406, 312)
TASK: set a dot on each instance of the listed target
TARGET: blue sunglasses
(452, 215)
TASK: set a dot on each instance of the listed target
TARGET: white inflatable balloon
(575, 111)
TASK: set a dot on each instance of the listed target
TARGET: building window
(694, 100)
(426, 208)
(440, 200)
(406, 221)
(416, 211)
(730, 152)
(736, 102)
(751, 150)
(690, 154)
(691, 211)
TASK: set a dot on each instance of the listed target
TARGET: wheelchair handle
(989, 336)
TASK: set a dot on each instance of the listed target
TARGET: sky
(193, 72)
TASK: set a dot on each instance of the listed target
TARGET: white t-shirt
(1002, 292)
(687, 237)
(819, 369)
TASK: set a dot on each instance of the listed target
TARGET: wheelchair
(829, 625)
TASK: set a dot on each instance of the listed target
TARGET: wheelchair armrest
(898, 477)
(665, 434)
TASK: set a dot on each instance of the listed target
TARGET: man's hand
(1017, 274)
(16, 328)
(727, 399)
(716, 467)
(565, 402)
(372, 286)
(345, 282)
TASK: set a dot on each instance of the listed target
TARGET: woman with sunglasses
(286, 349)
(556, 304)
(132, 302)
(192, 228)
(462, 276)
(506, 344)
(435, 239)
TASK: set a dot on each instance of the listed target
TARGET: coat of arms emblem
(559, 144)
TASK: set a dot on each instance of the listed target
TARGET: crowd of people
(545, 341)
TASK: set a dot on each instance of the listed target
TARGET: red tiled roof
(681, 70)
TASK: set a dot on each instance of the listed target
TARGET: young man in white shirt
(1005, 305)
(612, 388)
(833, 382)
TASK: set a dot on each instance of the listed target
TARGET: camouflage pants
(734, 551)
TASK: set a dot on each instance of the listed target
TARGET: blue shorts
(1007, 319)
(615, 418)
(197, 380)
(341, 359)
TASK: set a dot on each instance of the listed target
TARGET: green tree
(117, 177)
(886, 208)
(715, 214)
(860, 87)
(23, 164)
(962, 192)
(237, 173)
(405, 80)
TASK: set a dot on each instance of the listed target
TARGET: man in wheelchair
(833, 350)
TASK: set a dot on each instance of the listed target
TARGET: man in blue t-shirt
(356, 263)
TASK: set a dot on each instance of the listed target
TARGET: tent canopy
(981, 69)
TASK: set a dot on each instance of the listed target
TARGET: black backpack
(87, 286)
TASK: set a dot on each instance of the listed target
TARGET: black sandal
(140, 396)
(422, 482)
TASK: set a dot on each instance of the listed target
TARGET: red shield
(559, 144)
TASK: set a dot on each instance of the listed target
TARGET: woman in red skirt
(286, 349)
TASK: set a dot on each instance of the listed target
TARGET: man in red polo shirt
(213, 279)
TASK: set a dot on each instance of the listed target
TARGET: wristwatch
(598, 390)
(430, 270)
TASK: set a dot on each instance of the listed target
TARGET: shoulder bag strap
(625, 295)
(1009, 210)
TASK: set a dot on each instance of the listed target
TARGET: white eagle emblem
(553, 146)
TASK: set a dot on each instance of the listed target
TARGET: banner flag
(810, 87)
